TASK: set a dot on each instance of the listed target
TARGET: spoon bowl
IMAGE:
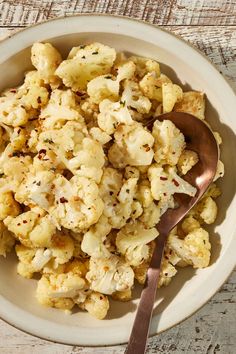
(199, 138)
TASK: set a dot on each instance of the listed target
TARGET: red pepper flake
(25, 221)
(80, 94)
(164, 194)
(63, 200)
(163, 178)
(42, 151)
(13, 90)
(18, 224)
(38, 184)
(175, 182)
(101, 297)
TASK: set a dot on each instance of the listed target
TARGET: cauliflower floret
(108, 86)
(108, 275)
(102, 87)
(20, 165)
(84, 63)
(12, 112)
(212, 191)
(169, 142)
(7, 240)
(96, 304)
(151, 215)
(111, 115)
(61, 107)
(133, 146)
(187, 160)
(205, 210)
(31, 260)
(36, 189)
(165, 184)
(220, 171)
(190, 224)
(194, 249)
(132, 242)
(192, 102)
(93, 240)
(145, 65)
(171, 94)
(46, 59)
(99, 135)
(150, 88)
(78, 204)
(133, 97)
(36, 97)
(8, 205)
(32, 228)
(118, 199)
(81, 155)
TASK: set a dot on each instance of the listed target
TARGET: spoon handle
(139, 335)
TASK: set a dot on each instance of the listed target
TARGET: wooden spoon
(200, 139)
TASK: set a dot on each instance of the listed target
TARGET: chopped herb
(127, 191)
(82, 46)
(83, 57)
(1, 175)
(42, 151)
(95, 53)
(122, 103)
(18, 154)
(49, 141)
(38, 184)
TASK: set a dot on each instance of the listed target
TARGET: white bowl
(190, 289)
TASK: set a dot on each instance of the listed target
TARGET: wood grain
(162, 12)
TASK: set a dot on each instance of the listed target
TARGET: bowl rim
(226, 81)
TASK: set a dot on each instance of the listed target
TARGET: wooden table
(211, 26)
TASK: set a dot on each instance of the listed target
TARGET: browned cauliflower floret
(192, 102)
(187, 160)
(8, 205)
(171, 94)
(32, 228)
(96, 304)
(194, 249)
(7, 240)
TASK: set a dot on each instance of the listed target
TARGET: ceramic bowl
(190, 289)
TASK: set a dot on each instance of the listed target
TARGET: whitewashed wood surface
(210, 25)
